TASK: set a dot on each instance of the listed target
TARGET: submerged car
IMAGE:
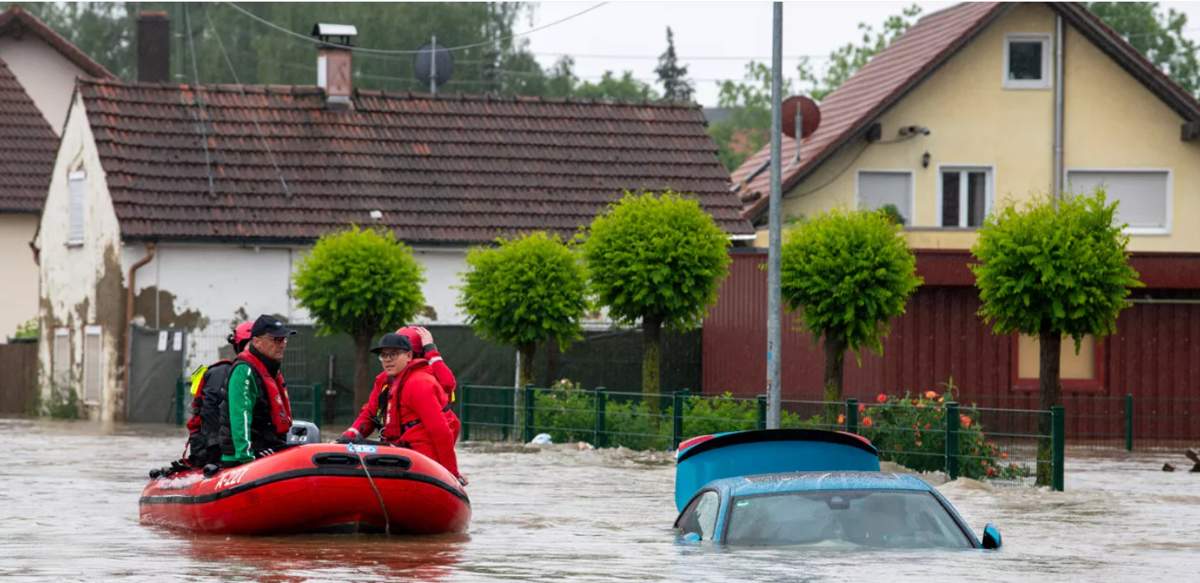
(809, 487)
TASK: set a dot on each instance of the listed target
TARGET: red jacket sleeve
(364, 424)
(440, 371)
(420, 395)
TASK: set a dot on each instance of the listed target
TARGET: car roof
(815, 481)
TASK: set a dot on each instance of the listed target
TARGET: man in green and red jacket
(257, 414)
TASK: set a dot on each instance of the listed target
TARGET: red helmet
(414, 339)
(242, 332)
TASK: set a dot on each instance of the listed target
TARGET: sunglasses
(278, 339)
(389, 355)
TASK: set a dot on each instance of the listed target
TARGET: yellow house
(983, 103)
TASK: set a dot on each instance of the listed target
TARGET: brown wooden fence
(18, 377)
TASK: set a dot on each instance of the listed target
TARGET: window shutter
(77, 189)
(878, 189)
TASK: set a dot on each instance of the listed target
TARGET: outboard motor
(302, 433)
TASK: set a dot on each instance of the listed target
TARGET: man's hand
(462, 480)
(262, 453)
(348, 437)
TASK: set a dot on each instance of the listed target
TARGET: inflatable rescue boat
(314, 488)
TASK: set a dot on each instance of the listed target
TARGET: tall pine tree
(676, 86)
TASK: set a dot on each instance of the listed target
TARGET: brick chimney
(153, 47)
(335, 73)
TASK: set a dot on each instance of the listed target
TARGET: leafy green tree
(658, 259)
(672, 76)
(1052, 269)
(746, 131)
(359, 282)
(526, 291)
(1160, 37)
(847, 273)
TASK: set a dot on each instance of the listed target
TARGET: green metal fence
(999, 445)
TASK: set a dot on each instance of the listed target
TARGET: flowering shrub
(911, 431)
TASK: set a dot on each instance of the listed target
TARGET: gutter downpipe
(1058, 109)
(132, 279)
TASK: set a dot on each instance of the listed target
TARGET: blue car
(808, 487)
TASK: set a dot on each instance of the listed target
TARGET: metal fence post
(677, 425)
(529, 406)
(762, 412)
(465, 416)
(1058, 435)
(180, 391)
(852, 415)
(318, 396)
(1128, 421)
(601, 432)
(952, 440)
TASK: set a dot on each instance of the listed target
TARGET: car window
(876, 518)
(700, 516)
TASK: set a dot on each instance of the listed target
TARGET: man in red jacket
(408, 406)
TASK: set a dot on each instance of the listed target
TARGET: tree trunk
(362, 367)
(835, 354)
(552, 353)
(1051, 393)
(651, 357)
(528, 350)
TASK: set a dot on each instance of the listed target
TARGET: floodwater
(68, 511)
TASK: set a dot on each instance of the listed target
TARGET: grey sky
(637, 31)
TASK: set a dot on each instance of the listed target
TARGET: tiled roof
(441, 169)
(27, 148)
(16, 20)
(849, 111)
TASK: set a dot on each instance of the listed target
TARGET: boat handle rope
(387, 522)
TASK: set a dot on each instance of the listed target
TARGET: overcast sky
(631, 35)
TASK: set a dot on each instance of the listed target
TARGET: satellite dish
(433, 64)
(810, 116)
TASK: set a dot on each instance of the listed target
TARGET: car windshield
(874, 518)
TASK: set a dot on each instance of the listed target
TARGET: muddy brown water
(68, 511)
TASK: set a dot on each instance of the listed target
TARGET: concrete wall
(19, 286)
(81, 284)
(1112, 122)
(48, 77)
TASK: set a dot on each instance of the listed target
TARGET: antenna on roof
(433, 65)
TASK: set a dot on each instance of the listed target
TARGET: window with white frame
(1027, 61)
(77, 190)
(965, 195)
(1143, 195)
(93, 368)
(60, 364)
(877, 189)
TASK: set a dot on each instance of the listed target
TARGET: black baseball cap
(270, 325)
(397, 341)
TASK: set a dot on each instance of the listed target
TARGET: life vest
(277, 397)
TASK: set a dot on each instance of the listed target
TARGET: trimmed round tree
(847, 274)
(658, 259)
(1052, 269)
(359, 282)
(527, 290)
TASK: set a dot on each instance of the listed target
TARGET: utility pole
(774, 331)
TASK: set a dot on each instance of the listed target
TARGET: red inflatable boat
(314, 488)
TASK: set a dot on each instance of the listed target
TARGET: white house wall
(48, 77)
(81, 284)
(19, 286)
(208, 288)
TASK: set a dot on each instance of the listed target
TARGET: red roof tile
(441, 169)
(27, 148)
(848, 112)
(17, 20)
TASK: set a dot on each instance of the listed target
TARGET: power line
(198, 98)
(681, 58)
(410, 52)
(257, 128)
